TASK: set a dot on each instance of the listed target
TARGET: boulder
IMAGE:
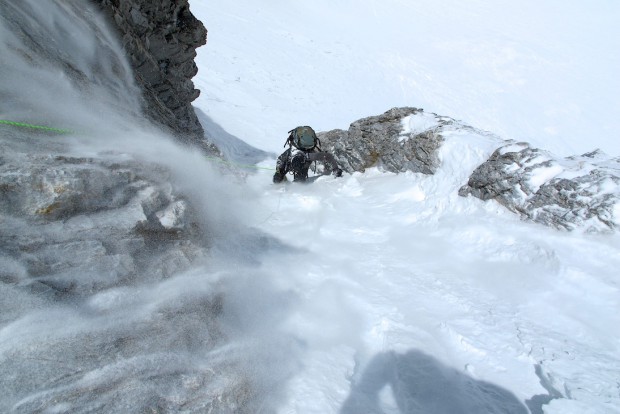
(79, 225)
(567, 193)
(386, 141)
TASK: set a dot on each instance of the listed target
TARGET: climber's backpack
(303, 138)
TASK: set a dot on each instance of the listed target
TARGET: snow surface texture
(401, 271)
(540, 72)
(377, 290)
(398, 271)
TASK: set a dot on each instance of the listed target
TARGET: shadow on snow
(422, 384)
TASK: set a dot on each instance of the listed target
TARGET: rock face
(106, 244)
(384, 141)
(63, 215)
(580, 191)
(161, 37)
(112, 238)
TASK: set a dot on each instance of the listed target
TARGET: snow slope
(399, 264)
(402, 296)
(373, 293)
(538, 72)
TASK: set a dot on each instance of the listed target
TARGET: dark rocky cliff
(160, 38)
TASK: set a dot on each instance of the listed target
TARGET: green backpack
(303, 138)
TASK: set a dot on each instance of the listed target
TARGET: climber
(303, 150)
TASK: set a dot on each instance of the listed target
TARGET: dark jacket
(298, 162)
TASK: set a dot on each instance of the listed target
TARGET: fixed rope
(32, 126)
(68, 131)
(221, 161)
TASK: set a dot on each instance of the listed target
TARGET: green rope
(221, 161)
(31, 126)
(67, 131)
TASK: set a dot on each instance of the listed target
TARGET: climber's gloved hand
(278, 177)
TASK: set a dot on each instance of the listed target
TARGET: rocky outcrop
(580, 191)
(386, 142)
(160, 38)
(112, 238)
(575, 192)
(66, 217)
(109, 234)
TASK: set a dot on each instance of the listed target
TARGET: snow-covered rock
(568, 193)
(580, 191)
(394, 141)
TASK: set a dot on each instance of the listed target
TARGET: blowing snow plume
(122, 253)
(61, 66)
